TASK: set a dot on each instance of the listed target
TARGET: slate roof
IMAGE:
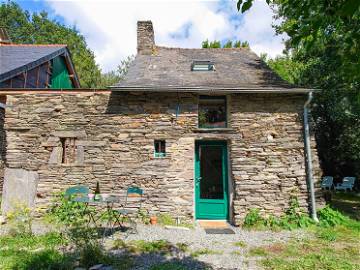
(17, 58)
(170, 68)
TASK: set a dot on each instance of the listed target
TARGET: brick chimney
(145, 37)
(4, 37)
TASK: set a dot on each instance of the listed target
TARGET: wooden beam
(38, 76)
(25, 78)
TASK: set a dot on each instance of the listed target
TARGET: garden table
(104, 202)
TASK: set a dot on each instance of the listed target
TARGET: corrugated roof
(16, 58)
(171, 68)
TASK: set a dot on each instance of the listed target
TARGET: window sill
(210, 130)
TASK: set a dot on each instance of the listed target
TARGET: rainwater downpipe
(308, 157)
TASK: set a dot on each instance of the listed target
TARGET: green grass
(168, 266)
(331, 249)
(167, 220)
(33, 252)
(257, 251)
(28, 252)
(142, 246)
(205, 251)
(347, 203)
(241, 244)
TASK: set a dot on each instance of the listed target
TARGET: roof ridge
(33, 45)
(179, 48)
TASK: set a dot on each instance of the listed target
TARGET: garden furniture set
(115, 209)
(347, 183)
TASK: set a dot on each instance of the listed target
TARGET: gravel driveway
(226, 255)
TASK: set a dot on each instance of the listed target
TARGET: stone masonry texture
(115, 135)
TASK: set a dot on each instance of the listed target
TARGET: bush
(253, 218)
(67, 212)
(329, 217)
(293, 218)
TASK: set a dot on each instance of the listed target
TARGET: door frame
(225, 172)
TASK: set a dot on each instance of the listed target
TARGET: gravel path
(228, 255)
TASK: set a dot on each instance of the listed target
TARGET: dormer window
(202, 66)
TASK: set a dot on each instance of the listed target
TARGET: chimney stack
(145, 37)
(4, 37)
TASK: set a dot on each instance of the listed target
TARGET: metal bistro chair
(78, 191)
(327, 182)
(347, 184)
(132, 204)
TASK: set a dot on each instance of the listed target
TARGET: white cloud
(110, 26)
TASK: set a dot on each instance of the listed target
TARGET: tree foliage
(112, 77)
(229, 44)
(37, 28)
(324, 52)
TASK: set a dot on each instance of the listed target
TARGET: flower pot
(153, 220)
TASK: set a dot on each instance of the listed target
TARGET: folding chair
(130, 207)
(78, 191)
(327, 182)
(347, 184)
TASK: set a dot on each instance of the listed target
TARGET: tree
(229, 44)
(324, 41)
(39, 29)
(113, 77)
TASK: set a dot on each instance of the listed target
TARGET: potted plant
(153, 220)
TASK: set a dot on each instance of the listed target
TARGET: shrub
(65, 211)
(329, 217)
(293, 218)
(253, 218)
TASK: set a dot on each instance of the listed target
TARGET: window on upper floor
(212, 112)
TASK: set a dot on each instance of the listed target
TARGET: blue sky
(110, 26)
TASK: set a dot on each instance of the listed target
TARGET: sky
(110, 26)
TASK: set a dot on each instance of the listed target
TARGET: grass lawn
(33, 252)
(347, 203)
(329, 248)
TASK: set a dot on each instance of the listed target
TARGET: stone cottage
(207, 133)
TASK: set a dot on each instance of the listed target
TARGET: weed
(183, 247)
(241, 244)
(253, 218)
(167, 220)
(168, 266)
(327, 234)
(204, 251)
(236, 252)
(20, 220)
(257, 251)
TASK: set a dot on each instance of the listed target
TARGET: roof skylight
(202, 65)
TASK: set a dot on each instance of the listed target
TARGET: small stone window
(68, 153)
(212, 112)
(160, 150)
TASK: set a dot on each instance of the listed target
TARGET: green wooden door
(211, 182)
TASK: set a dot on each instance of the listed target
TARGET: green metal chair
(327, 182)
(78, 191)
(132, 204)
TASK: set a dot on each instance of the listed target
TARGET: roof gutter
(308, 157)
(214, 89)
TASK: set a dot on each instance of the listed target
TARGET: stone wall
(115, 135)
(2, 148)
